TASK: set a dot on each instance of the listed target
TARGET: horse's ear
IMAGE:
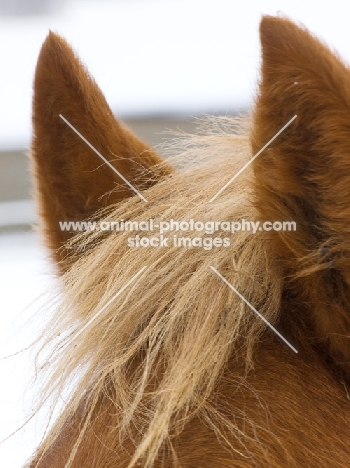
(72, 181)
(304, 175)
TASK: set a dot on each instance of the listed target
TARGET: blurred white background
(156, 61)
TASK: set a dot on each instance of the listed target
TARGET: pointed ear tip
(266, 21)
(274, 26)
(55, 54)
(53, 41)
(52, 35)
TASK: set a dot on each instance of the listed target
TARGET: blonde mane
(165, 355)
(178, 324)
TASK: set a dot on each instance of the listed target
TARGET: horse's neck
(280, 397)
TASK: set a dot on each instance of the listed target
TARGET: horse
(227, 352)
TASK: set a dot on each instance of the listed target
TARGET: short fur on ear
(72, 182)
(304, 175)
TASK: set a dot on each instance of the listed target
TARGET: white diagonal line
(104, 159)
(254, 310)
(108, 303)
(251, 160)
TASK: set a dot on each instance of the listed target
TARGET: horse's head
(162, 345)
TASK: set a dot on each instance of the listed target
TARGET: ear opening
(72, 182)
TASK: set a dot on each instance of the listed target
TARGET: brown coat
(272, 408)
